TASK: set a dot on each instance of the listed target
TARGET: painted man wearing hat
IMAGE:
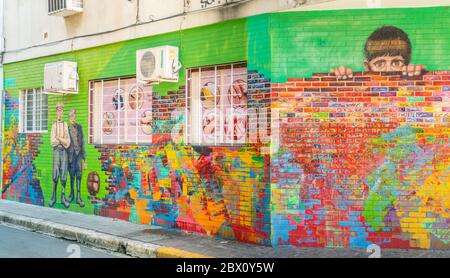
(60, 142)
(77, 155)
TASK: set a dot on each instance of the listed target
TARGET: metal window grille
(216, 105)
(56, 5)
(33, 111)
(60, 5)
(120, 112)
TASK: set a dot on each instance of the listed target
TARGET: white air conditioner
(158, 64)
(61, 78)
(64, 7)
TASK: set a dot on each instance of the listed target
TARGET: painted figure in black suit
(76, 156)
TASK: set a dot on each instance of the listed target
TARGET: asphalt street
(16, 243)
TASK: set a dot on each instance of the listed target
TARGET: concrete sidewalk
(151, 241)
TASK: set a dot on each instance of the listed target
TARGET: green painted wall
(307, 42)
(259, 44)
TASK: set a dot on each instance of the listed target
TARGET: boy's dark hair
(388, 41)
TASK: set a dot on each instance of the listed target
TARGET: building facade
(257, 141)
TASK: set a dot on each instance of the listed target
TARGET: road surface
(17, 243)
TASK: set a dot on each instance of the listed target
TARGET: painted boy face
(386, 64)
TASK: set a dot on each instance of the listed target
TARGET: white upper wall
(30, 32)
(364, 4)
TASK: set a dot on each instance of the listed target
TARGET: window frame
(91, 114)
(23, 110)
(188, 107)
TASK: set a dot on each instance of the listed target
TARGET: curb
(96, 239)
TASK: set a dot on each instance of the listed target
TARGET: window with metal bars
(56, 5)
(120, 112)
(33, 111)
(216, 105)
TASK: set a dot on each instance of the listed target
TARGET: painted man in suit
(60, 141)
(76, 156)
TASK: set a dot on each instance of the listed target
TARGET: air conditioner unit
(158, 64)
(61, 78)
(64, 7)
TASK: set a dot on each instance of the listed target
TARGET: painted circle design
(146, 122)
(208, 95)
(109, 122)
(237, 94)
(136, 98)
(118, 100)
(236, 129)
(209, 124)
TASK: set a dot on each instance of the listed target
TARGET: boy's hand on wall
(342, 72)
(413, 70)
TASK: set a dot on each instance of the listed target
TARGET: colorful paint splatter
(363, 160)
(19, 150)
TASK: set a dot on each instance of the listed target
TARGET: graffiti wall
(363, 156)
(120, 151)
(20, 182)
(335, 134)
(209, 190)
(363, 160)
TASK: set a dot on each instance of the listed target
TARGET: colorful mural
(208, 190)
(347, 157)
(363, 160)
(357, 151)
(20, 181)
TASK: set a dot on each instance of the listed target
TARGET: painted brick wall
(20, 150)
(209, 190)
(363, 160)
(349, 163)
